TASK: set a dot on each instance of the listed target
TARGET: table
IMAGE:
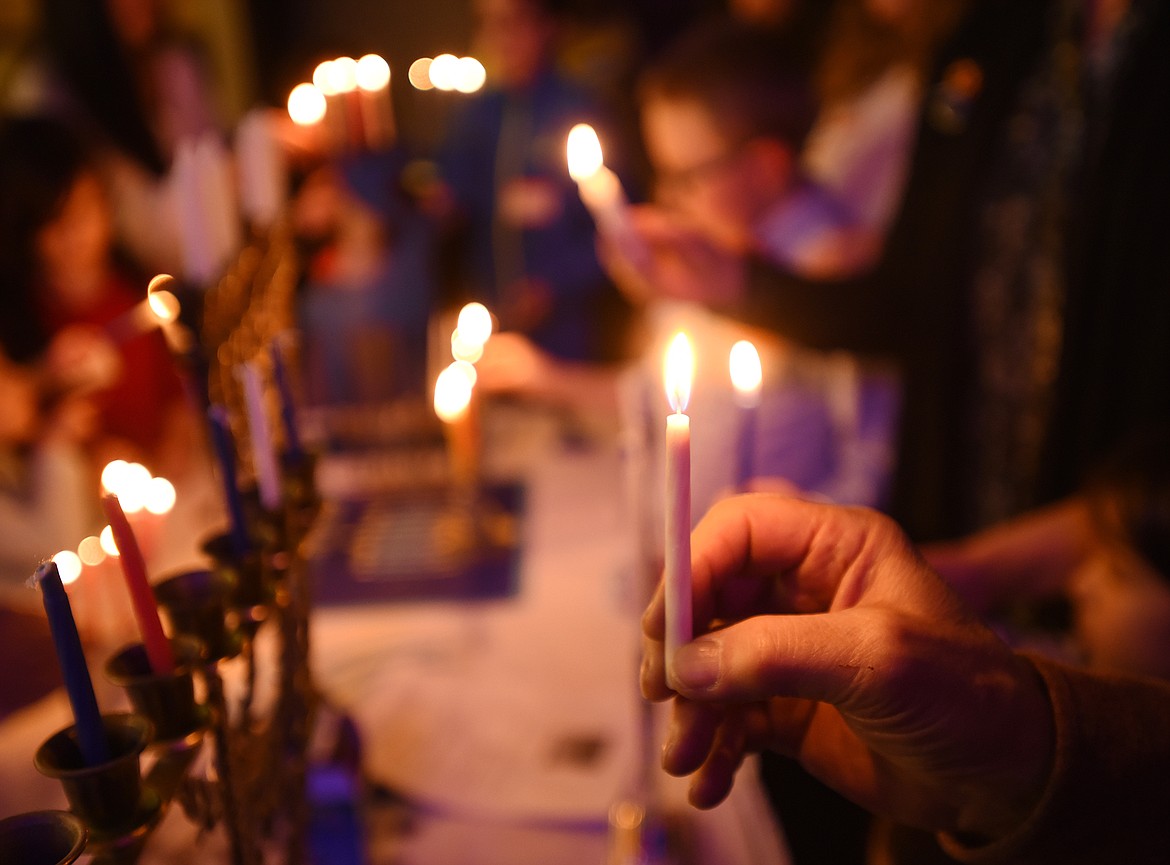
(509, 725)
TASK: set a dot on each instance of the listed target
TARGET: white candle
(373, 82)
(677, 580)
(260, 168)
(260, 432)
(746, 377)
(602, 193)
(454, 404)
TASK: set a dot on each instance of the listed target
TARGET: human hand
(81, 359)
(511, 363)
(683, 263)
(822, 635)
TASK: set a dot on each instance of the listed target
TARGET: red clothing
(136, 406)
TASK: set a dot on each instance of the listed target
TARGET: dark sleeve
(850, 315)
(1107, 798)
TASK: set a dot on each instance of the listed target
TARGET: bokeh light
(306, 104)
(419, 74)
(373, 72)
(68, 566)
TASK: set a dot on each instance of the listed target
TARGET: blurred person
(823, 635)
(528, 242)
(47, 500)
(133, 87)
(369, 281)
(67, 301)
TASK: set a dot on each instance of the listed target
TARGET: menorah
(226, 761)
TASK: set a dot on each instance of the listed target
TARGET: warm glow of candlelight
(113, 474)
(419, 74)
(343, 75)
(746, 372)
(323, 78)
(444, 72)
(584, 152)
(453, 393)
(463, 349)
(306, 104)
(471, 75)
(106, 539)
(164, 305)
(160, 496)
(90, 551)
(474, 324)
(679, 372)
(132, 487)
(373, 73)
(68, 566)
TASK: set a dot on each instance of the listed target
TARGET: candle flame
(109, 545)
(160, 496)
(463, 349)
(474, 324)
(323, 78)
(419, 74)
(471, 75)
(583, 150)
(679, 372)
(746, 372)
(68, 566)
(164, 305)
(90, 551)
(113, 474)
(343, 75)
(306, 104)
(444, 72)
(373, 73)
(453, 393)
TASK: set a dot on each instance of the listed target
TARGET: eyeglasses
(685, 179)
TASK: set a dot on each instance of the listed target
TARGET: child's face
(515, 37)
(1122, 612)
(714, 181)
(73, 249)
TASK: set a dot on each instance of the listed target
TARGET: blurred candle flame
(373, 73)
(306, 104)
(474, 324)
(159, 496)
(679, 372)
(746, 372)
(68, 566)
(106, 539)
(453, 392)
(90, 551)
(583, 151)
(419, 74)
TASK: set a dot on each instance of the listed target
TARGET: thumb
(814, 657)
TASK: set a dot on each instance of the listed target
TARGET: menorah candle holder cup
(109, 798)
(167, 700)
(42, 838)
(253, 584)
(299, 481)
(197, 603)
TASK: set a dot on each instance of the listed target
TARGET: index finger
(766, 553)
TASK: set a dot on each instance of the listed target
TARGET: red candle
(158, 648)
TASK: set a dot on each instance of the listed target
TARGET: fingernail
(696, 665)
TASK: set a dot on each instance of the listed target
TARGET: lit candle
(91, 736)
(263, 454)
(746, 377)
(473, 328)
(680, 365)
(454, 389)
(225, 452)
(158, 649)
(602, 193)
(373, 83)
(306, 108)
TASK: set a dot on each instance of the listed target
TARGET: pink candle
(158, 648)
(677, 578)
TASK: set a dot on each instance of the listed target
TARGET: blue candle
(288, 410)
(91, 735)
(225, 452)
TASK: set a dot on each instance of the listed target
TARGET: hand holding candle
(680, 364)
(91, 736)
(746, 377)
(158, 648)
